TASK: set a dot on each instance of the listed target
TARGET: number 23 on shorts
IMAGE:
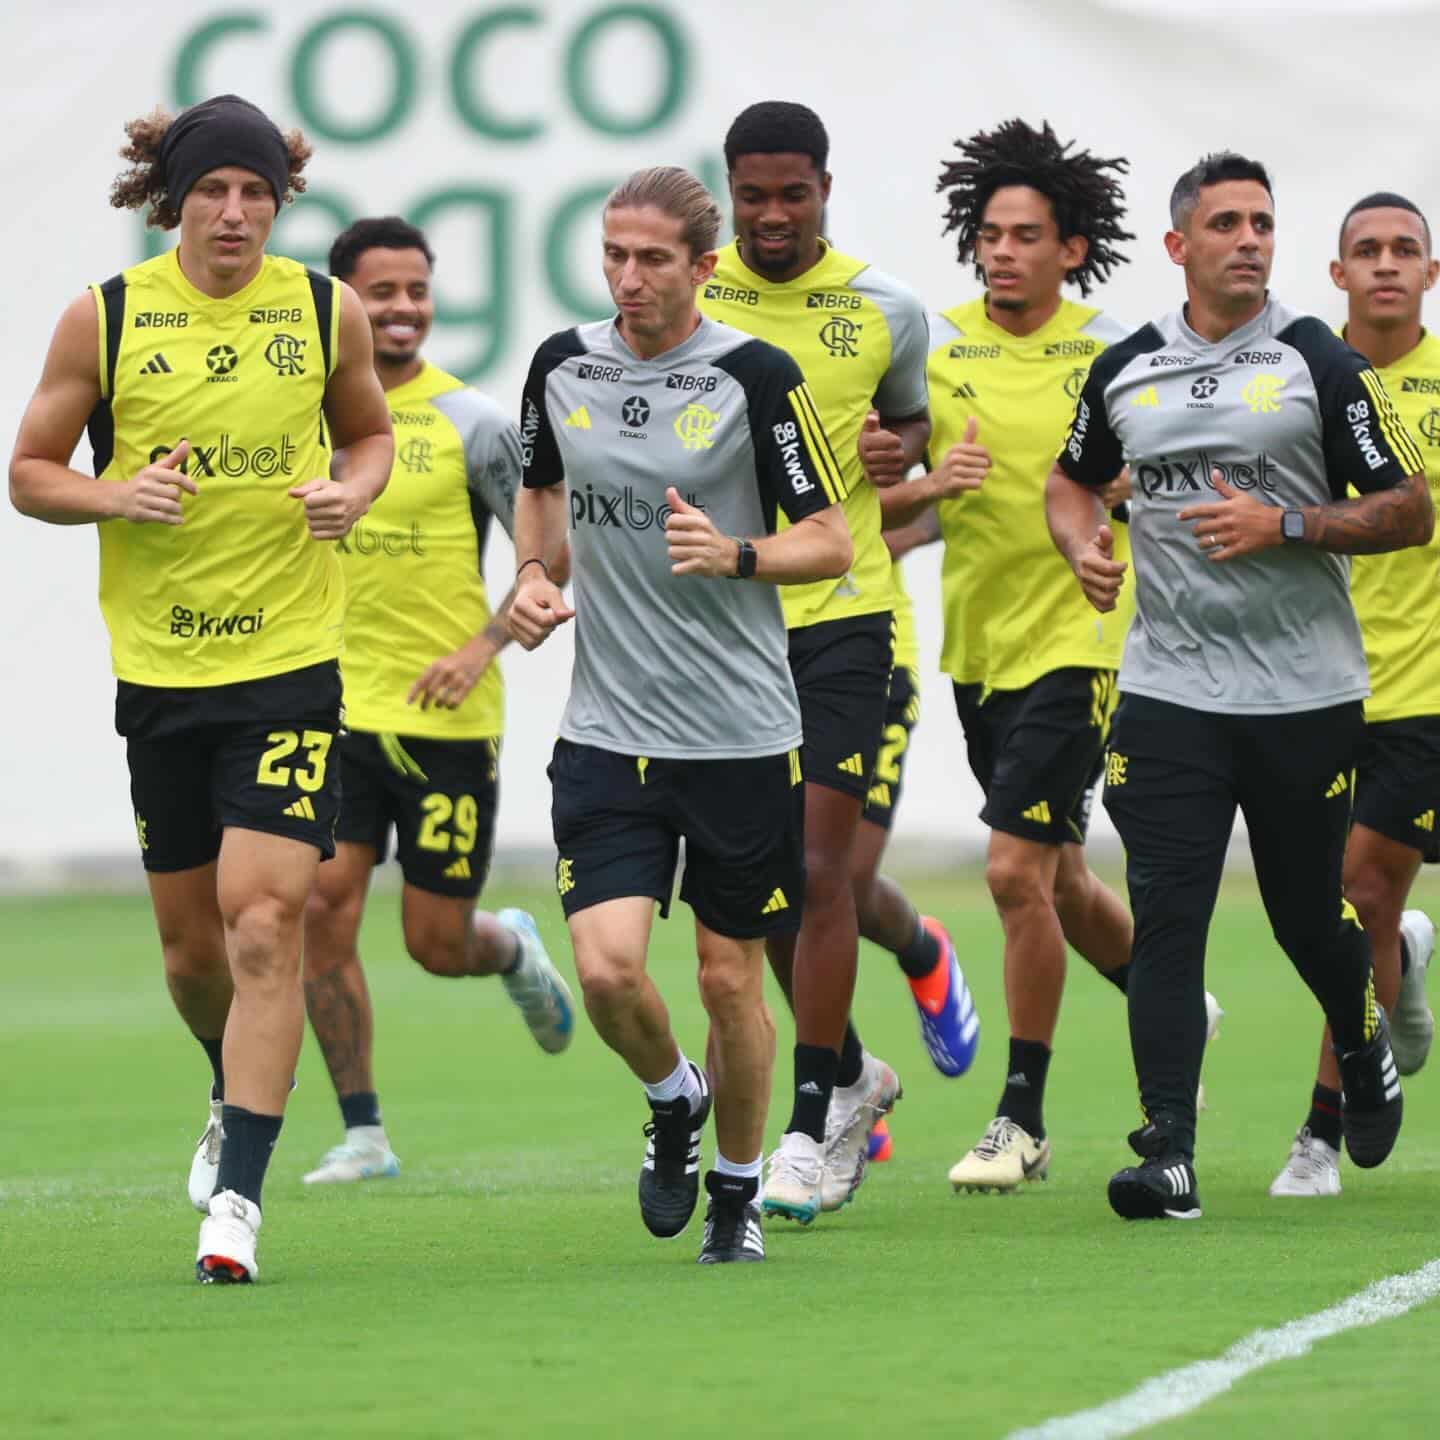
(308, 776)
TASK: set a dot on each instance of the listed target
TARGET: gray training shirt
(674, 666)
(1288, 413)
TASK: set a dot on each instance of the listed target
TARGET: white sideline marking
(1179, 1391)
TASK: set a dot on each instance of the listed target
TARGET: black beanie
(224, 130)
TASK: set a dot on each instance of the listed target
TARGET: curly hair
(144, 182)
(1082, 190)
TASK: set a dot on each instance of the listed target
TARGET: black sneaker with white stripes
(732, 1221)
(670, 1176)
(1373, 1105)
(1160, 1188)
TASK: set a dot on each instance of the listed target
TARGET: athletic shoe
(1004, 1159)
(1412, 1026)
(949, 1023)
(1161, 1187)
(537, 987)
(792, 1179)
(854, 1112)
(1372, 1105)
(732, 1221)
(1312, 1169)
(881, 1146)
(365, 1154)
(205, 1167)
(227, 1241)
(1213, 1016)
(670, 1176)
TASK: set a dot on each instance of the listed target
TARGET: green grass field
(504, 1284)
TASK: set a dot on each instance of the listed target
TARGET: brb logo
(625, 511)
(186, 624)
(233, 461)
(841, 337)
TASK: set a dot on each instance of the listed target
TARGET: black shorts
(1038, 752)
(1397, 789)
(902, 714)
(444, 824)
(842, 676)
(258, 755)
(619, 820)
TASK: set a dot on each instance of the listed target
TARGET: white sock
(746, 1170)
(680, 1081)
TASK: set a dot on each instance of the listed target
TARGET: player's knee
(440, 951)
(1016, 883)
(1368, 888)
(728, 986)
(263, 934)
(609, 982)
(827, 875)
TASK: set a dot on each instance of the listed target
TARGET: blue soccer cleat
(949, 1023)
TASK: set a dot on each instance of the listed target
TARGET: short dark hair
(386, 232)
(777, 127)
(1213, 169)
(1083, 190)
(1383, 200)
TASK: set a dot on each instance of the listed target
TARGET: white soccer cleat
(365, 1154)
(205, 1167)
(537, 987)
(1312, 1169)
(792, 1178)
(854, 1112)
(227, 1241)
(1005, 1158)
(1213, 1016)
(1412, 1024)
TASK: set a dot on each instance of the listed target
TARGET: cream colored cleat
(1005, 1158)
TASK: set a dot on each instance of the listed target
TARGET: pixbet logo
(625, 510)
(1189, 475)
(368, 540)
(233, 461)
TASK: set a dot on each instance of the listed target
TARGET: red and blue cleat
(881, 1146)
(949, 1023)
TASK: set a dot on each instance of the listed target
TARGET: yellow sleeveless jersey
(1397, 595)
(907, 643)
(414, 586)
(239, 591)
(860, 339)
(1013, 608)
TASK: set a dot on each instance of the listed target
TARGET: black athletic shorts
(444, 824)
(257, 755)
(902, 714)
(619, 820)
(1397, 789)
(842, 676)
(1038, 752)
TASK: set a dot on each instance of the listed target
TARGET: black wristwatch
(1292, 526)
(745, 558)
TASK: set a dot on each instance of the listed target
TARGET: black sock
(815, 1067)
(1324, 1117)
(214, 1052)
(1024, 1097)
(921, 953)
(852, 1058)
(1404, 956)
(361, 1108)
(245, 1152)
(1119, 977)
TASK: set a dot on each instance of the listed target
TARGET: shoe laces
(212, 1139)
(1306, 1157)
(999, 1135)
(668, 1132)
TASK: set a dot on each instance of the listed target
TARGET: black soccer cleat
(732, 1221)
(1372, 1105)
(670, 1176)
(1162, 1187)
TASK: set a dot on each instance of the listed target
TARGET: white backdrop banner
(500, 129)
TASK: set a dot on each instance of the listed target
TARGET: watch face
(1292, 525)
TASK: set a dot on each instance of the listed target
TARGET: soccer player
(1032, 669)
(1385, 268)
(1244, 673)
(424, 704)
(214, 380)
(677, 439)
(860, 339)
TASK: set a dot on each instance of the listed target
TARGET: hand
(153, 496)
(331, 507)
(1118, 491)
(447, 681)
(882, 453)
(1100, 574)
(696, 546)
(1236, 524)
(964, 467)
(538, 607)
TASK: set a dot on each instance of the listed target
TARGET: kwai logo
(187, 624)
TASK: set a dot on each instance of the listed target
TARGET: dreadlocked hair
(1086, 198)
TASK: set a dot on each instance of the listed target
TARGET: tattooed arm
(1372, 524)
